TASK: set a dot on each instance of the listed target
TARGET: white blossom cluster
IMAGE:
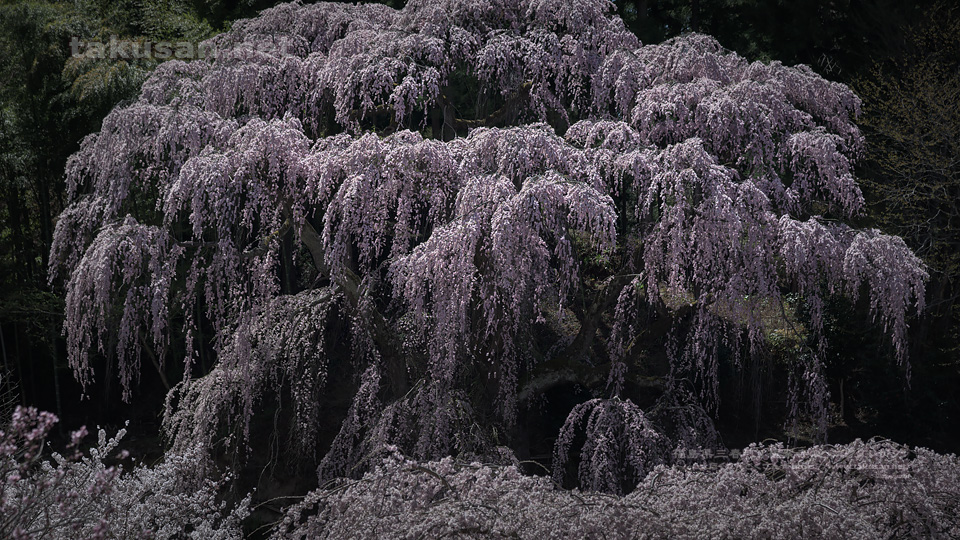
(79, 495)
(862, 490)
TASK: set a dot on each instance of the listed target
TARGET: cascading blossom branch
(450, 180)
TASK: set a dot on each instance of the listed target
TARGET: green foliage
(49, 100)
(836, 38)
(911, 177)
(912, 122)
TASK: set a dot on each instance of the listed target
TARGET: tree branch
(498, 117)
(350, 283)
(571, 365)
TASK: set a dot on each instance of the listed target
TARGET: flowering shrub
(79, 496)
(863, 490)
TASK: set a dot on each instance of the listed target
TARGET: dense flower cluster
(80, 496)
(874, 489)
(336, 192)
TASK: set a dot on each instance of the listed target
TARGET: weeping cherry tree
(451, 210)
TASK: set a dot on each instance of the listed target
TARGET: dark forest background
(902, 59)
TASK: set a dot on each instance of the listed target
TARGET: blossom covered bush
(80, 496)
(452, 210)
(862, 490)
(875, 489)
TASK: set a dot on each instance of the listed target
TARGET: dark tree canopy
(465, 205)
